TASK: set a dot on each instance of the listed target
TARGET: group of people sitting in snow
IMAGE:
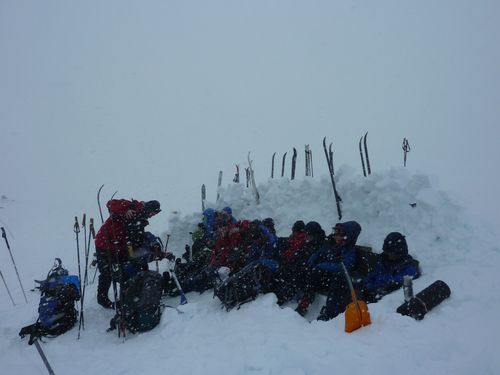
(296, 268)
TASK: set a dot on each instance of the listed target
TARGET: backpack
(56, 309)
(242, 287)
(140, 306)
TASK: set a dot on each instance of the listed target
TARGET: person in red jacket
(293, 259)
(124, 227)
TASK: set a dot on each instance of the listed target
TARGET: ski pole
(178, 285)
(44, 358)
(76, 229)
(6, 287)
(95, 273)
(87, 250)
(85, 277)
(13, 262)
(294, 163)
(94, 262)
(174, 276)
(84, 226)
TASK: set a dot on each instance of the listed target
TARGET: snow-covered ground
(456, 337)
(154, 98)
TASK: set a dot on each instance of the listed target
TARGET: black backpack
(56, 309)
(242, 287)
(141, 310)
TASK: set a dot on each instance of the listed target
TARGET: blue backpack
(56, 310)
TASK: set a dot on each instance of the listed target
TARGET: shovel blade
(356, 316)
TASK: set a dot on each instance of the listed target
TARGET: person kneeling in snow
(392, 265)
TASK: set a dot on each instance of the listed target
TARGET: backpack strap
(35, 331)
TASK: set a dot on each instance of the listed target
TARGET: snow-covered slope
(457, 337)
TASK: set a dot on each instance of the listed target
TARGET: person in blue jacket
(393, 264)
(325, 271)
(264, 250)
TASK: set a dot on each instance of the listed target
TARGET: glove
(130, 214)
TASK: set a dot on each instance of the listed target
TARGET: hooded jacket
(329, 257)
(112, 236)
(388, 274)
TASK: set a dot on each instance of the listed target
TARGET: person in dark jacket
(299, 246)
(122, 230)
(325, 271)
(393, 264)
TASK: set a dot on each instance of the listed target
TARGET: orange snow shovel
(356, 312)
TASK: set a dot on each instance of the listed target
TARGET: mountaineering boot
(169, 287)
(106, 303)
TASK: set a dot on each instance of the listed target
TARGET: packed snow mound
(394, 200)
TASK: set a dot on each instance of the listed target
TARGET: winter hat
(299, 226)
(152, 207)
(268, 222)
(228, 211)
(352, 229)
(395, 243)
(314, 229)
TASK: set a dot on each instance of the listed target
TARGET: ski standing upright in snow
(203, 197)
(219, 183)
(283, 165)
(272, 165)
(406, 150)
(329, 161)
(366, 171)
(308, 158)
(236, 178)
(252, 181)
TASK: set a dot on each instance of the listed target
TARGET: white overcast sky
(141, 94)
